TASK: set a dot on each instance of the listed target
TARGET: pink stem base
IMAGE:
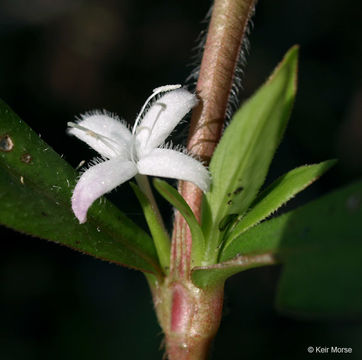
(190, 318)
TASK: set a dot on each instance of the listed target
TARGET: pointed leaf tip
(272, 198)
(243, 156)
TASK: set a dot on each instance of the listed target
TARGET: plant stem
(226, 33)
(223, 46)
(190, 316)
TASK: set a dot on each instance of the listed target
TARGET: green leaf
(215, 275)
(35, 190)
(175, 199)
(159, 235)
(321, 246)
(242, 158)
(277, 194)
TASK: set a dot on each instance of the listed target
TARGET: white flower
(138, 152)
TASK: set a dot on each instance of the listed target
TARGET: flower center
(134, 154)
(113, 145)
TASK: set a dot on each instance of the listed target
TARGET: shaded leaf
(321, 246)
(35, 190)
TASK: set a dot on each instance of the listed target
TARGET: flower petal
(98, 180)
(176, 165)
(104, 133)
(162, 118)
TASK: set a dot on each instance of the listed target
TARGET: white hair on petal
(183, 149)
(95, 161)
(102, 112)
(96, 112)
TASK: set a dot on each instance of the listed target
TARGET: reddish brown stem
(226, 33)
(190, 316)
(194, 318)
(222, 50)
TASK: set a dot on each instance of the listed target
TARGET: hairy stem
(223, 45)
(190, 316)
(226, 33)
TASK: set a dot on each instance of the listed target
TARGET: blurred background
(61, 58)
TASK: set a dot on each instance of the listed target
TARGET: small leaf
(277, 194)
(175, 199)
(242, 158)
(215, 275)
(35, 190)
(159, 235)
(321, 246)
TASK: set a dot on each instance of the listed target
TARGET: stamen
(140, 128)
(104, 139)
(166, 88)
(156, 91)
(86, 130)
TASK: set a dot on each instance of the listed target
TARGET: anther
(155, 91)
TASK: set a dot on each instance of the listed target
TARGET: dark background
(60, 58)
